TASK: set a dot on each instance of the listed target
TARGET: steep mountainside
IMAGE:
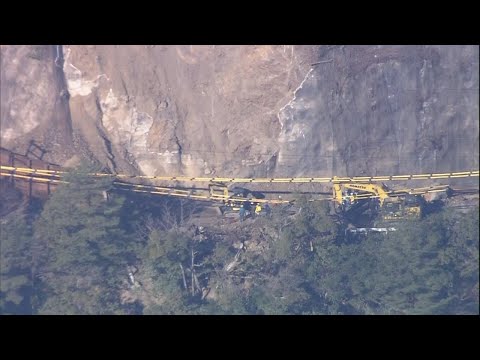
(246, 110)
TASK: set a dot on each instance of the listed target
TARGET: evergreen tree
(15, 264)
(85, 261)
(422, 268)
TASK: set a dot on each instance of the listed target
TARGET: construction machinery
(218, 191)
(233, 199)
(348, 193)
(358, 195)
(408, 207)
(391, 204)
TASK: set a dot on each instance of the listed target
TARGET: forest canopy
(91, 250)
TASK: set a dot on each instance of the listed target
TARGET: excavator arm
(374, 190)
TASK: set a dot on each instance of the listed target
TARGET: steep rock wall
(246, 110)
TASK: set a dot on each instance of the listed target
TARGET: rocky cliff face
(385, 110)
(33, 101)
(246, 110)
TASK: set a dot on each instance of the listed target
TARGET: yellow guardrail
(463, 174)
(191, 194)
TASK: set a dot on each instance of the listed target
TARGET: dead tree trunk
(183, 275)
(197, 283)
(192, 271)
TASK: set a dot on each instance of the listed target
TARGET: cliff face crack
(108, 146)
(125, 89)
(106, 141)
(293, 99)
(177, 141)
(59, 57)
(62, 106)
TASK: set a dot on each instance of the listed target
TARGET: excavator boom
(372, 189)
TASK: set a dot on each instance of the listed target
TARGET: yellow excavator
(352, 192)
(393, 204)
(408, 207)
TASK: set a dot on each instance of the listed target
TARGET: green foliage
(86, 245)
(74, 260)
(164, 254)
(461, 257)
(283, 273)
(175, 262)
(417, 270)
(427, 267)
(283, 293)
(311, 228)
(15, 262)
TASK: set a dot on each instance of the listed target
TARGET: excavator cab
(392, 207)
(392, 210)
(413, 206)
(407, 208)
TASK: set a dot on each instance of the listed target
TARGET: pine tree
(86, 247)
(15, 264)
